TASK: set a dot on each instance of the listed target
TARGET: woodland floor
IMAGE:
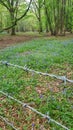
(48, 95)
(8, 40)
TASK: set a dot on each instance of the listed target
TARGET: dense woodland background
(53, 16)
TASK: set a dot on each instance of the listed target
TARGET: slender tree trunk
(1, 22)
(40, 26)
(70, 16)
(39, 18)
(12, 22)
(57, 18)
(46, 22)
(48, 18)
(47, 30)
(63, 17)
(40, 23)
(12, 17)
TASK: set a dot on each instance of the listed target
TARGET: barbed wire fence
(8, 123)
(63, 78)
(34, 110)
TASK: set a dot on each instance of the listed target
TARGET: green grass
(47, 55)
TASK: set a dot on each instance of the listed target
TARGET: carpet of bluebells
(48, 95)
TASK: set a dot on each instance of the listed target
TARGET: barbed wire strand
(63, 78)
(7, 122)
(34, 110)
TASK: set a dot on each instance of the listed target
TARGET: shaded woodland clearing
(7, 40)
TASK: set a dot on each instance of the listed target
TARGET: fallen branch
(8, 123)
(34, 110)
(63, 78)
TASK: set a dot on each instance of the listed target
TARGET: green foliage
(44, 16)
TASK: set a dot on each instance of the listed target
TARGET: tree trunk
(1, 22)
(39, 18)
(46, 22)
(70, 4)
(48, 18)
(56, 17)
(13, 31)
(47, 30)
(63, 18)
(12, 22)
(40, 27)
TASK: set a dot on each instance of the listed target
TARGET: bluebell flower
(41, 96)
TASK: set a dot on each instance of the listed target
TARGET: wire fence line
(8, 123)
(63, 78)
(34, 110)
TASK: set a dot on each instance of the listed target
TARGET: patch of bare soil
(12, 40)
